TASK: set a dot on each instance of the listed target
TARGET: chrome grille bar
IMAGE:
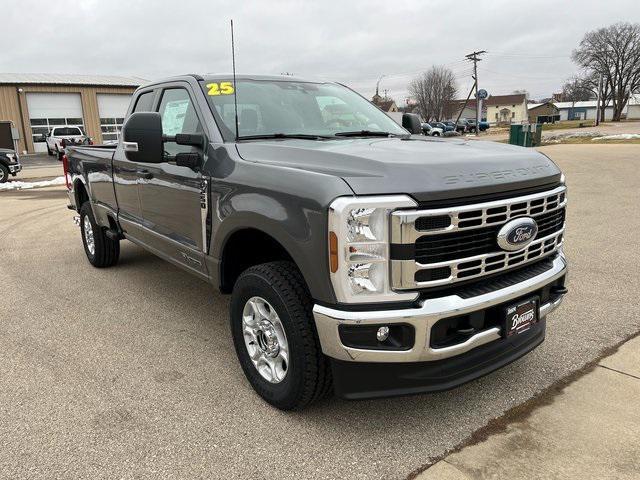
(403, 222)
(487, 214)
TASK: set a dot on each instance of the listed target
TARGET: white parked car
(433, 131)
(56, 134)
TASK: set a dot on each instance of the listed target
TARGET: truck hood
(428, 169)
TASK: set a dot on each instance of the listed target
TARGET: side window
(144, 102)
(178, 116)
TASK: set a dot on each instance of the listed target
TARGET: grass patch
(567, 124)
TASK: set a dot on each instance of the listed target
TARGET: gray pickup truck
(362, 258)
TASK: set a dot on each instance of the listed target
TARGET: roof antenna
(235, 85)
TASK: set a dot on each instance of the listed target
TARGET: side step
(113, 234)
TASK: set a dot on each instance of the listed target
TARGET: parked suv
(361, 257)
(9, 164)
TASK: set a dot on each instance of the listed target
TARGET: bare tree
(434, 92)
(614, 53)
(577, 89)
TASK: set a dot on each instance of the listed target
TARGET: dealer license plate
(521, 316)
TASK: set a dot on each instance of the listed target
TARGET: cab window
(178, 116)
(145, 102)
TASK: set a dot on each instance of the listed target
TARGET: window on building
(42, 126)
(513, 114)
(111, 128)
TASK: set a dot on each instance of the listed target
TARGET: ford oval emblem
(517, 234)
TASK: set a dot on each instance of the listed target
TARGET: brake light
(65, 166)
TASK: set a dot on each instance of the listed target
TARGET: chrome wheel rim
(88, 235)
(265, 339)
(1, 175)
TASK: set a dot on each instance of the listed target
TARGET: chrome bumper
(423, 318)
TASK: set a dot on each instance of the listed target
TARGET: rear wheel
(4, 173)
(49, 152)
(275, 337)
(101, 250)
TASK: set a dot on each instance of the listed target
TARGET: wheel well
(81, 194)
(244, 249)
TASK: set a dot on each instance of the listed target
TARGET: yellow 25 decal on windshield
(222, 88)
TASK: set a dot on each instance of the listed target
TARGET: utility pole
(598, 101)
(474, 57)
(378, 84)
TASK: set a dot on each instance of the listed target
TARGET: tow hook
(76, 220)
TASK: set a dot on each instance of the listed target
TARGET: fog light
(382, 334)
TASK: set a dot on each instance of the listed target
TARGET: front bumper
(14, 168)
(423, 319)
(366, 373)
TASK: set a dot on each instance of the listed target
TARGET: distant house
(582, 110)
(545, 112)
(633, 108)
(458, 108)
(384, 104)
(506, 109)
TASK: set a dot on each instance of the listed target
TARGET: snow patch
(18, 185)
(620, 136)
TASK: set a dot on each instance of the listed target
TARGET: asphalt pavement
(130, 371)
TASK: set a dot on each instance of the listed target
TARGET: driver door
(170, 195)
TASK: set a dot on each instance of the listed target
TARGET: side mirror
(411, 122)
(142, 137)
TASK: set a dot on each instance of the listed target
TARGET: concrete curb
(589, 429)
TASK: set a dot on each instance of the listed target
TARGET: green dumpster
(528, 135)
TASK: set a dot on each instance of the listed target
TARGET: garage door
(47, 110)
(112, 110)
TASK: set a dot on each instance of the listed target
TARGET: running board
(113, 234)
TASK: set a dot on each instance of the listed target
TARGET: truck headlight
(359, 248)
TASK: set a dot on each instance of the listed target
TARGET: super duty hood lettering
(424, 168)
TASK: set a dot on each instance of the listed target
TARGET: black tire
(49, 152)
(106, 250)
(436, 134)
(308, 376)
(4, 173)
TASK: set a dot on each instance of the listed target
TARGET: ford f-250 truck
(361, 258)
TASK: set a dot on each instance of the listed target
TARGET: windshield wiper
(365, 133)
(300, 136)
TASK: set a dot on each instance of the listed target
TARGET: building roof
(68, 79)
(584, 104)
(495, 100)
(531, 106)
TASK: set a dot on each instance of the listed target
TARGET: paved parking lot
(130, 371)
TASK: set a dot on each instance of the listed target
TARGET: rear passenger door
(126, 177)
(170, 195)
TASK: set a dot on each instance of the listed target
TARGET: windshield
(67, 131)
(269, 107)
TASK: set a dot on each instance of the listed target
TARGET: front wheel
(275, 338)
(101, 250)
(436, 134)
(4, 173)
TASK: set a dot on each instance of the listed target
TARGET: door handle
(146, 174)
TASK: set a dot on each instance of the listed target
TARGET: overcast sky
(354, 42)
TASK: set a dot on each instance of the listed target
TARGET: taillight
(65, 166)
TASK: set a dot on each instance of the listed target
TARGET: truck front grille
(467, 243)
(441, 246)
